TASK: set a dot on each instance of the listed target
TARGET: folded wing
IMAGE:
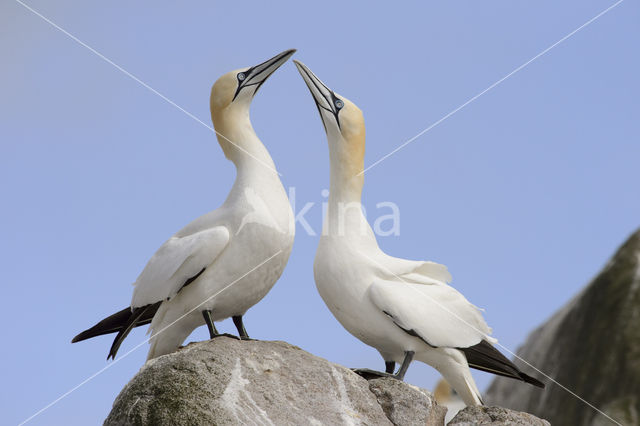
(177, 261)
(436, 313)
(418, 271)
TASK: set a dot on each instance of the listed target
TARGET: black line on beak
(335, 113)
(267, 65)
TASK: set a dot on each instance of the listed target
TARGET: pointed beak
(258, 74)
(324, 97)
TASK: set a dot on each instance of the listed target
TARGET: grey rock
(592, 347)
(494, 416)
(225, 381)
(405, 404)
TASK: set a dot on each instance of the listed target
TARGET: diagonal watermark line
(590, 21)
(497, 343)
(96, 374)
(136, 79)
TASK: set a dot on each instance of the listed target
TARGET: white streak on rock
(343, 405)
(259, 367)
(237, 399)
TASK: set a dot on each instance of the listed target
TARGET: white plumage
(403, 308)
(175, 262)
(225, 261)
(452, 321)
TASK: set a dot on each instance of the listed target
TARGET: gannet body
(225, 261)
(405, 309)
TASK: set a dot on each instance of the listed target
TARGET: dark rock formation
(591, 346)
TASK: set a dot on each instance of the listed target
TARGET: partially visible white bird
(226, 261)
(448, 398)
(403, 308)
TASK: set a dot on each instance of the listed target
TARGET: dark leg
(389, 367)
(213, 332)
(408, 357)
(237, 321)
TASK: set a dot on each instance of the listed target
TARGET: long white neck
(241, 145)
(345, 217)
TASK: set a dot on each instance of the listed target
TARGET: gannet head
(231, 97)
(236, 89)
(343, 122)
(443, 392)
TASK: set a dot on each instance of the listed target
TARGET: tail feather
(122, 322)
(115, 322)
(531, 380)
(137, 315)
(485, 357)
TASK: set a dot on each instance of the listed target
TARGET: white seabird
(448, 398)
(227, 260)
(403, 308)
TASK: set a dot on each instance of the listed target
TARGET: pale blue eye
(241, 76)
(339, 104)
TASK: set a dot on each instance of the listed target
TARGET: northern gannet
(405, 309)
(448, 398)
(235, 253)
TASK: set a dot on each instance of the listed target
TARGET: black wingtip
(138, 315)
(112, 324)
(115, 346)
(87, 334)
(531, 380)
(485, 357)
(124, 331)
(115, 323)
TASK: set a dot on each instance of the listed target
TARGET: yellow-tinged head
(443, 392)
(231, 94)
(343, 121)
(237, 88)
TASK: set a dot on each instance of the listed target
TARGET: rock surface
(404, 404)
(228, 382)
(225, 381)
(494, 416)
(591, 346)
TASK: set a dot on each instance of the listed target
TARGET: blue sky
(524, 193)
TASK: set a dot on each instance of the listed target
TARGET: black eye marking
(245, 77)
(336, 103)
(242, 81)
